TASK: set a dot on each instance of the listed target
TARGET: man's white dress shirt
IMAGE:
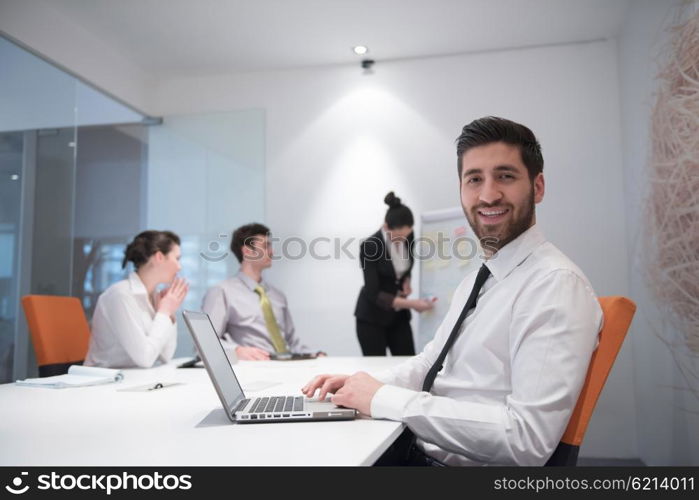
(126, 331)
(513, 376)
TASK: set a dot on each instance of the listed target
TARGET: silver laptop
(245, 410)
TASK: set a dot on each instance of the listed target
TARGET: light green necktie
(270, 321)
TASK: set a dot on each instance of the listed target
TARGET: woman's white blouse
(399, 254)
(126, 331)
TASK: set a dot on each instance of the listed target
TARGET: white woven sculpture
(672, 231)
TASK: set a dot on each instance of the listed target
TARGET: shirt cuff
(228, 343)
(163, 319)
(389, 402)
(385, 300)
(384, 376)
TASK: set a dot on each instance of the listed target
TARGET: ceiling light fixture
(360, 50)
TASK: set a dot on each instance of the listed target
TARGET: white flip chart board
(447, 250)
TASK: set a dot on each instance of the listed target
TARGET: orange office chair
(618, 312)
(59, 330)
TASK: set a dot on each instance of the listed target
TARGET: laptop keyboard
(277, 404)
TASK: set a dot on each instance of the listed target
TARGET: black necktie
(482, 276)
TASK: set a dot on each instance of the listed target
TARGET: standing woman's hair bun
(148, 243)
(397, 215)
(392, 200)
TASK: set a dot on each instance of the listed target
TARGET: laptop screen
(215, 359)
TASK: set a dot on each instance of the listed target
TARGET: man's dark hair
(244, 235)
(493, 129)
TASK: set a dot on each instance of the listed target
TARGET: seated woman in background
(133, 325)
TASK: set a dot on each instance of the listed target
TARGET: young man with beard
(500, 379)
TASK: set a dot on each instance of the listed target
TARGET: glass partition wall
(11, 146)
(81, 174)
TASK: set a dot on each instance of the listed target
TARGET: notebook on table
(240, 408)
(292, 356)
(77, 376)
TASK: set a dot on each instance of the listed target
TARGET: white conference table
(184, 424)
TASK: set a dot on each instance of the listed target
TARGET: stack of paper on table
(77, 376)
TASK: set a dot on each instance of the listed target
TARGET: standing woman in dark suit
(383, 309)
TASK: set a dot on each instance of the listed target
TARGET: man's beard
(494, 237)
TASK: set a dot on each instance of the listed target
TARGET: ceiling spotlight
(14, 177)
(360, 50)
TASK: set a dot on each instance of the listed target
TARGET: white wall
(59, 38)
(338, 140)
(35, 95)
(206, 176)
(668, 415)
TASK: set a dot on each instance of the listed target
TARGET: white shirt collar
(515, 252)
(386, 239)
(136, 285)
(251, 283)
(138, 288)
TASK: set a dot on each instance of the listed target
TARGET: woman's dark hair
(397, 215)
(149, 243)
(244, 236)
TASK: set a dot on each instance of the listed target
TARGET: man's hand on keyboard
(357, 392)
(325, 383)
